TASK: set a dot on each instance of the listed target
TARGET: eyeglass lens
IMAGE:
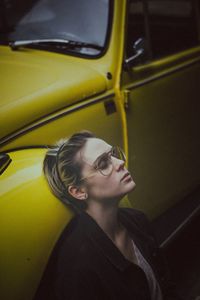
(105, 164)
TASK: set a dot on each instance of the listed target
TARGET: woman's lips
(126, 177)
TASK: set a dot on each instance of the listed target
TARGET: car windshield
(51, 22)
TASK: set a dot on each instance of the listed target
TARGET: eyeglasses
(104, 163)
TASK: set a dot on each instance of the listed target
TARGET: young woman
(106, 252)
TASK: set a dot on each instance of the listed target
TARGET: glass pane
(136, 28)
(169, 26)
(172, 26)
(77, 20)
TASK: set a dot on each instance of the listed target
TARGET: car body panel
(45, 82)
(164, 130)
(59, 125)
(31, 220)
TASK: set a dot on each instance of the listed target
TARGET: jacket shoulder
(138, 219)
(138, 215)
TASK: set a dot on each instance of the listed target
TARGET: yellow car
(129, 71)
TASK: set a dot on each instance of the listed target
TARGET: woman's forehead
(93, 148)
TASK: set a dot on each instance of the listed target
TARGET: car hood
(37, 83)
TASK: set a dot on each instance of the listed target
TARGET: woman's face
(99, 187)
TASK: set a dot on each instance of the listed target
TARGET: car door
(161, 81)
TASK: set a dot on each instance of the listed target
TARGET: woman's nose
(118, 163)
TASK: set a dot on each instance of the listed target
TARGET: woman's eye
(104, 163)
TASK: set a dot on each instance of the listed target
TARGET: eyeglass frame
(98, 169)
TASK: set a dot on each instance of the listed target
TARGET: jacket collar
(103, 243)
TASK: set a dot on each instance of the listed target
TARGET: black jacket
(85, 263)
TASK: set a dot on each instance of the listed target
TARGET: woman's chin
(131, 186)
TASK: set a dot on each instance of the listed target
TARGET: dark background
(184, 261)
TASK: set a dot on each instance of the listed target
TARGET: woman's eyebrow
(101, 156)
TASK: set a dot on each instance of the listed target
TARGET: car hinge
(126, 96)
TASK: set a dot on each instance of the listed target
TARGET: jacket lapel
(103, 243)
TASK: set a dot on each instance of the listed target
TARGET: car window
(80, 21)
(168, 26)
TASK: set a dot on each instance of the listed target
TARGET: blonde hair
(62, 169)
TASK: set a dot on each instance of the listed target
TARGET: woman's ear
(77, 192)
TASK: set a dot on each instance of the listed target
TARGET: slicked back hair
(62, 169)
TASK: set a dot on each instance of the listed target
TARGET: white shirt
(154, 287)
